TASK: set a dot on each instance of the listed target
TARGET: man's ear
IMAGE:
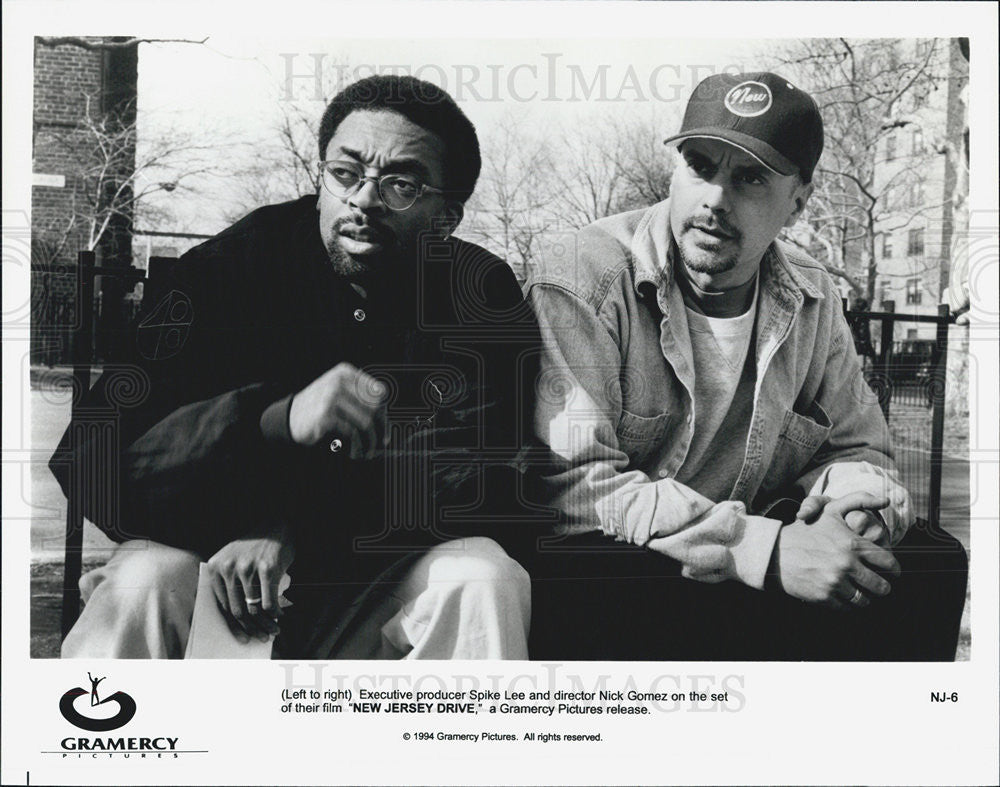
(801, 196)
(454, 212)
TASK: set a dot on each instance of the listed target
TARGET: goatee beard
(700, 260)
(347, 266)
(391, 274)
(362, 269)
(705, 262)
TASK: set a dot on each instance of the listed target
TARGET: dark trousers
(597, 600)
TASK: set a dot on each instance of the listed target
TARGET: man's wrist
(274, 422)
(772, 579)
(275, 530)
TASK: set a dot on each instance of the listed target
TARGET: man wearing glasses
(344, 407)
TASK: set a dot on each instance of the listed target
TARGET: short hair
(422, 103)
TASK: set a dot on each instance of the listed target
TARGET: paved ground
(49, 417)
(50, 414)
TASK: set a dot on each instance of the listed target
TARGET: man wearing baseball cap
(710, 420)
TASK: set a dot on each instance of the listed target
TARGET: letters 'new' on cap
(761, 113)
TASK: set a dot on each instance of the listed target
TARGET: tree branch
(104, 44)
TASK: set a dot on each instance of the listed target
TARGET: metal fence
(81, 320)
(56, 307)
(910, 376)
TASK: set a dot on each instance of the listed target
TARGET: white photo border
(796, 723)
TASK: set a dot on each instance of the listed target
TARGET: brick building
(926, 157)
(82, 89)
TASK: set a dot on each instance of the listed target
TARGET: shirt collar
(787, 274)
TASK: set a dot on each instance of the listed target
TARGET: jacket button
(359, 315)
(663, 474)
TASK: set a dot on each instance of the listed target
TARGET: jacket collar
(654, 250)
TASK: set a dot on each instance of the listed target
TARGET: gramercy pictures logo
(70, 712)
(749, 99)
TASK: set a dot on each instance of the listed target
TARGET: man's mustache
(713, 224)
(361, 229)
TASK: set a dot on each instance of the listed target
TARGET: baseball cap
(761, 113)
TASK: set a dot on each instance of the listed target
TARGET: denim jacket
(615, 400)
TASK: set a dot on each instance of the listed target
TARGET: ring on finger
(857, 597)
(253, 601)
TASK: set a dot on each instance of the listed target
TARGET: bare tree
(108, 44)
(589, 177)
(511, 210)
(114, 171)
(611, 166)
(866, 91)
(538, 183)
(283, 165)
(645, 164)
(281, 168)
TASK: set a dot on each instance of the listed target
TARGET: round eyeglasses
(397, 192)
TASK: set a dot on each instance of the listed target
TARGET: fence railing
(59, 305)
(82, 344)
(900, 375)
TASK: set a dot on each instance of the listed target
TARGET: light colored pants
(463, 599)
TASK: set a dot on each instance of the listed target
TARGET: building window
(911, 334)
(887, 245)
(890, 147)
(915, 243)
(916, 195)
(884, 293)
(918, 141)
(914, 294)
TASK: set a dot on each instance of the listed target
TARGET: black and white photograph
(509, 395)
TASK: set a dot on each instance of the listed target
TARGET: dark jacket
(172, 446)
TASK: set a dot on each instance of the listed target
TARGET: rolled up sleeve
(857, 455)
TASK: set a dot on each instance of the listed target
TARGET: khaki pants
(463, 599)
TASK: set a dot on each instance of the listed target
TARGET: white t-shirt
(719, 346)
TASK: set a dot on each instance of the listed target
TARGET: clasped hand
(821, 558)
